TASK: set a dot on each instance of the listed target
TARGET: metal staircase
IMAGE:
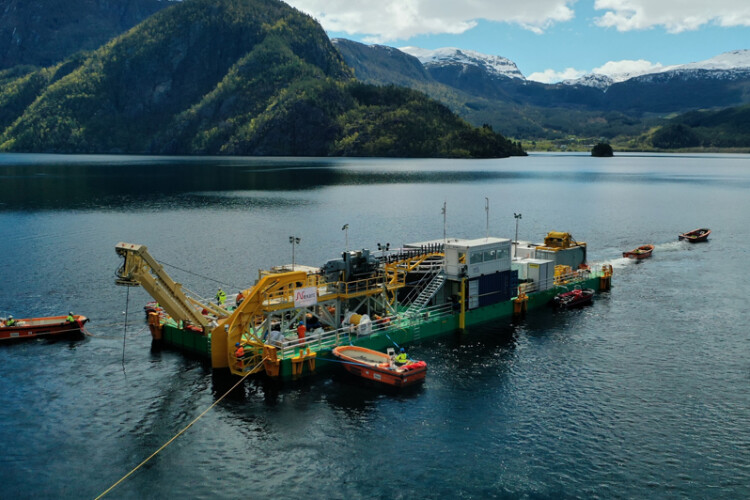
(427, 293)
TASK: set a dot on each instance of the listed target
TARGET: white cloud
(552, 76)
(674, 15)
(617, 70)
(389, 20)
(622, 70)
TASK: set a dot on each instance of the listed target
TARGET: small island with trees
(602, 150)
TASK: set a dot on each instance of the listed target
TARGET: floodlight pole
(487, 209)
(445, 209)
(294, 241)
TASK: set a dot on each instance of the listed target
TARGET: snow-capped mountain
(726, 66)
(492, 65)
(732, 65)
(721, 81)
(595, 80)
(736, 59)
(729, 65)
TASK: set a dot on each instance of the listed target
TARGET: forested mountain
(258, 77)
(226, 77)
(44, 32)
(488, 89)
(488, 97)
(726, 128)
(380, 64)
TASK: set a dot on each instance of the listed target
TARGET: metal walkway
(427, 293)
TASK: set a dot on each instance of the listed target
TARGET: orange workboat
(696, 235)
(379, 367)
(641, 252)
(41, 327)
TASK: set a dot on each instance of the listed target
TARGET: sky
(549, 40)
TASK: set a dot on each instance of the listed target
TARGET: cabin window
(489, 255)
(475, 258)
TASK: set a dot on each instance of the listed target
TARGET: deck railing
(564, 280)
(347, 335)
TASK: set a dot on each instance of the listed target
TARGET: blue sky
(563, 38)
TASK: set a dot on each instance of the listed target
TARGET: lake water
(645, 394)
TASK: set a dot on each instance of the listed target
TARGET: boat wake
(615, 262)
(672, 246)
(624, 262)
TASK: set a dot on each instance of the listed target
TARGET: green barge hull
(403, 331)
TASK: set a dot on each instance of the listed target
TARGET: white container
(540, 272)
(522, 266)
(524, 250)
(476, 257)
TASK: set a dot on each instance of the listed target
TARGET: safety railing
(419, 286)
(563, 280)
(347, 335)
(361, 286)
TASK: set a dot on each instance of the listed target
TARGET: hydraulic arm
(140, 268)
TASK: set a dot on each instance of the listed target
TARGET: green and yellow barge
(290, 320)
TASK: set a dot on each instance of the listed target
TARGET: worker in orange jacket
(239, 353)
(301, 330)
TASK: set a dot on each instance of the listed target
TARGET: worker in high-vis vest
(402, 358)
(221, 296)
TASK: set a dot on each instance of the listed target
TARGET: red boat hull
(642, 252)
(573, 298)
(354, 363)
(696, 235)
(27, 328)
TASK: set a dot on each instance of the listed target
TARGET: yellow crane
(140, 268)
(273, 291)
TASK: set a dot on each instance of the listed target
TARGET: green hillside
(726, 128)
(241, 77)
(44, 32)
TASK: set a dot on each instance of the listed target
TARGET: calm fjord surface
(644, 394)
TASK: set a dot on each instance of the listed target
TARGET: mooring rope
(125, 331)
(181, 432)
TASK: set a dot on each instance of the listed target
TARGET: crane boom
(140, 268)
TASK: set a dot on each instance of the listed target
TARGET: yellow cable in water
(179, 433)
